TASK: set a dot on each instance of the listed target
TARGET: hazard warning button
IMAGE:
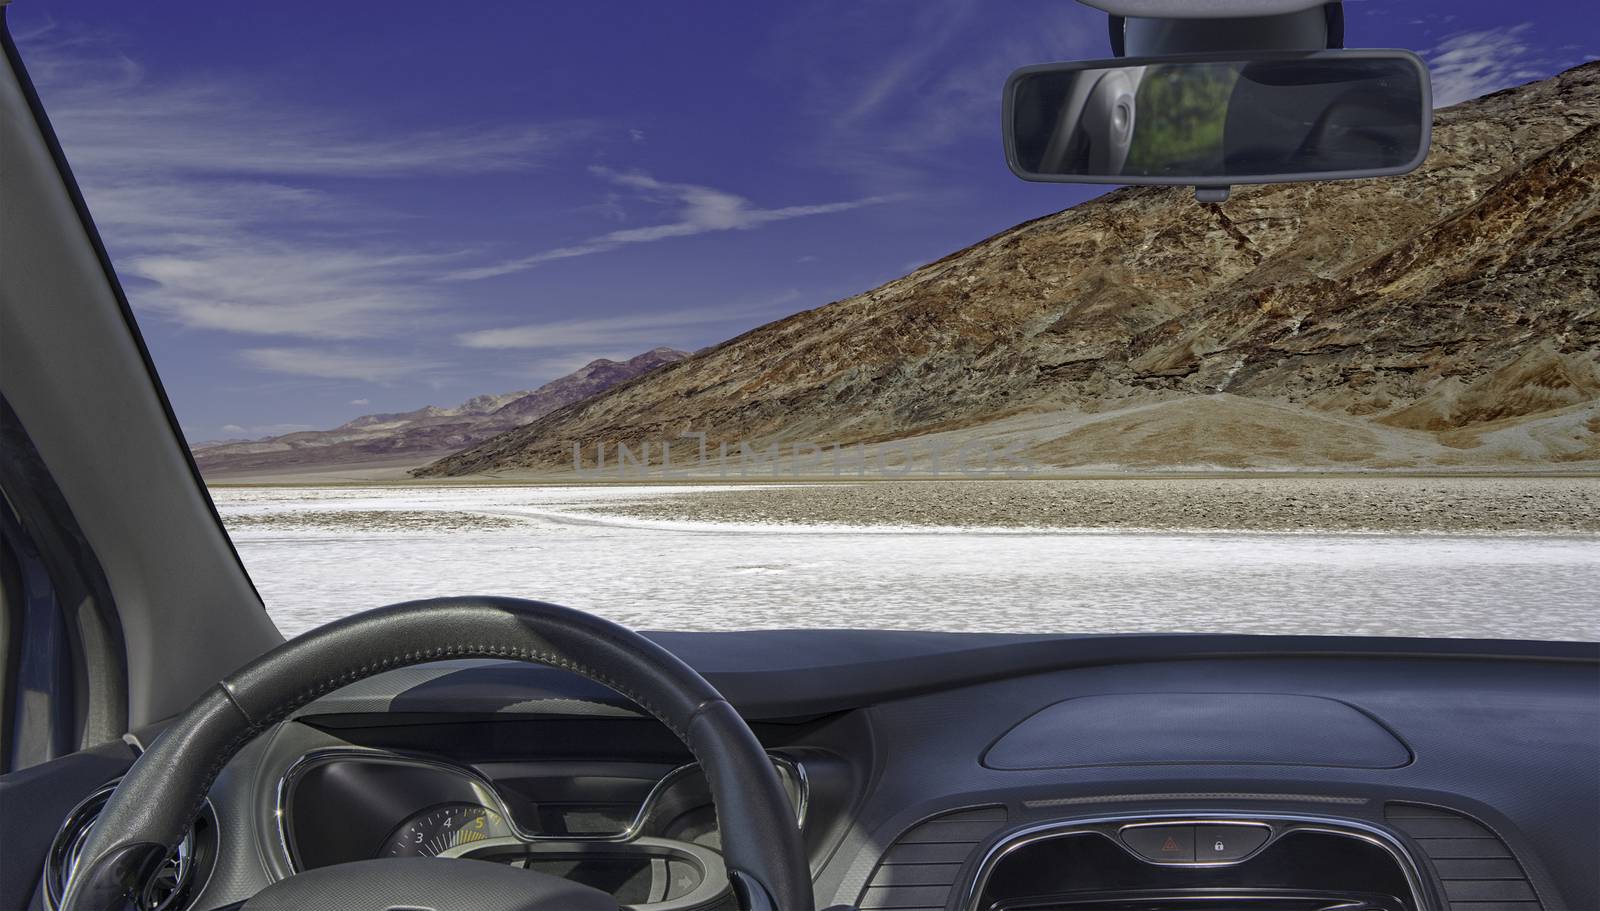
(1162, 844)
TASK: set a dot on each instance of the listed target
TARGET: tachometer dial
(436, 831)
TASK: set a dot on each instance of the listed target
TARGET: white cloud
(888, 114)
(701, 210)
(632, 332)
(203, 189)
(212, 254)
(113, 116)
(361, 401)
(136, 206)
(1468, 64)
(336, 364)
(257, 286)
(929, 30)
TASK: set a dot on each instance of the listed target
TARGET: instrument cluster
(645, 832)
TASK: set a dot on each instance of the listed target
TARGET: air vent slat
(995, 814)
(927, 854)
(919, 870)
(916, 874)
(1440, 827)
(1477, 869)
(948, 833)
(1395, 811)
(1463, 847)
(1483, 890)
(905, 897)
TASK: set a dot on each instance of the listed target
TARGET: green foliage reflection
(1181, 112)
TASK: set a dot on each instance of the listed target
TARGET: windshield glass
(731, 316)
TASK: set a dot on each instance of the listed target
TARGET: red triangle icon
(1171, 844)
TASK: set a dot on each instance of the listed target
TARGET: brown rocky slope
(1450, 318)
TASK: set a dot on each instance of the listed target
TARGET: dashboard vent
(1477, 869)
(171, 885)
(919, 870)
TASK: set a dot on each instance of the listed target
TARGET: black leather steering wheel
(158, 799)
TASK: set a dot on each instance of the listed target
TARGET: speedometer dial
(436, 831)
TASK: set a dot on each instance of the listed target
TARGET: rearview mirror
(1215, 120)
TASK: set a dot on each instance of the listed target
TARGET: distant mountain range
(412, 438)
(1448, 319)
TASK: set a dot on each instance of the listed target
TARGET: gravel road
(1382, 504)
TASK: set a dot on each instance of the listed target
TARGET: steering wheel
(157, 800)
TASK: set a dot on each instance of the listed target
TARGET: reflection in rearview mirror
(1205, 120)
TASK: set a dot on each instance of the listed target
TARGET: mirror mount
(1313, 28)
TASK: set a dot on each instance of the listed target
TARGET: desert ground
(1469, 557)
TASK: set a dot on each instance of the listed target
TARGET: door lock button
(1162, 844)
(1223, 843)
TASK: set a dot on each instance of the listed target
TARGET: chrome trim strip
(1061, 828)
(491, 795)
(1178, 796)
(802, 784)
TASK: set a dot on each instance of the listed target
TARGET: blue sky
(326, 210)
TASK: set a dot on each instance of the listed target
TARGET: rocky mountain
(411, 438)
(1447, 319)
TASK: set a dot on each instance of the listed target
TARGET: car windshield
(732, 316)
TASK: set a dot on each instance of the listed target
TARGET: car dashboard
(968, 773)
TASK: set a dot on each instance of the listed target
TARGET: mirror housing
(1214, 120)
